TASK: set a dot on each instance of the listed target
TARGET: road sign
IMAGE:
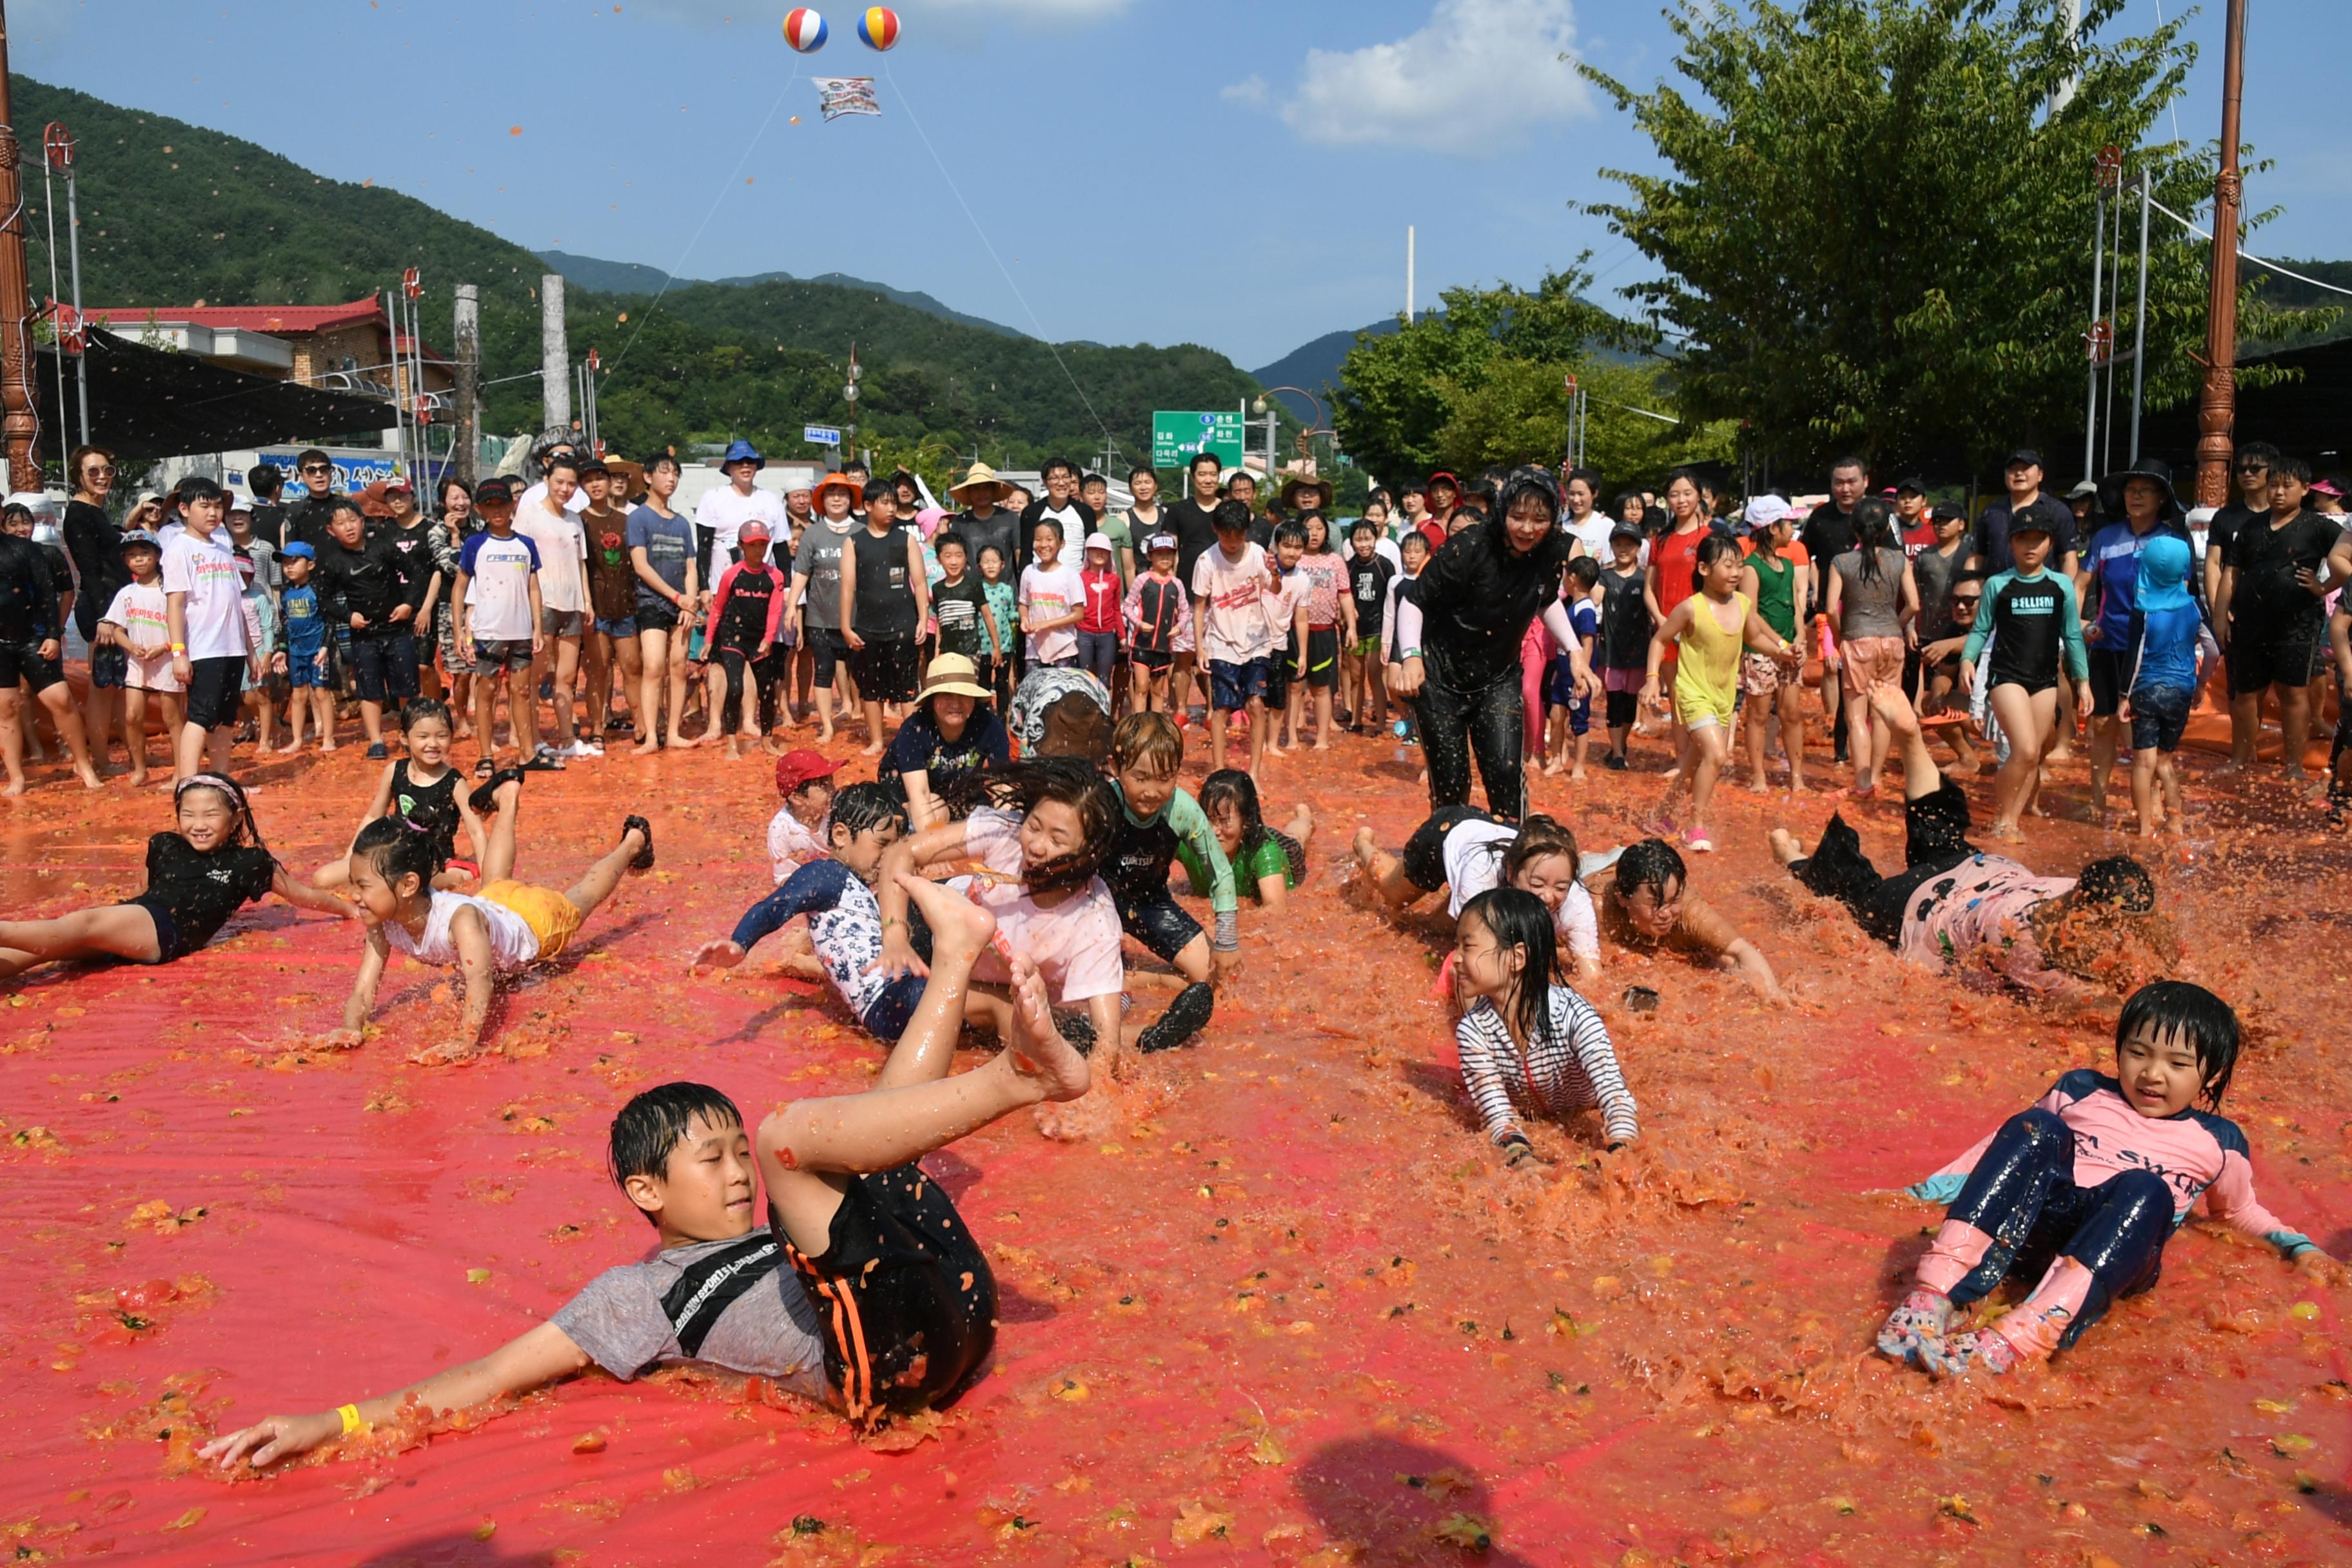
(1175, 436)
(821, 435)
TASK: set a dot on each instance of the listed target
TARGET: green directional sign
(1175, 436)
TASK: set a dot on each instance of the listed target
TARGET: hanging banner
(840, 95)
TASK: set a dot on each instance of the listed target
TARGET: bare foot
(958, 925)
(328, 746)
(684, 743)
(284, 751)
(138, 777)
(1039, 1053)
(873, 751)
(446, 1054)
(824, 734)
(1785, 847)
(1366, 846)
(15, 787)
(2008, 833)
(645, 748)
(1553, 768)
(89, 779)
(1575, 774)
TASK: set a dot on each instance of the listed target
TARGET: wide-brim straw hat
(951, 675)
(1298, 483)
(980, 475)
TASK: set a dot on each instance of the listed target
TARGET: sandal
(486, 796)
(644, 856)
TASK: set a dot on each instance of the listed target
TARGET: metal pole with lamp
(1260, 405)
(849, 395)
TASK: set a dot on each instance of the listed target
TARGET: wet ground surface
(1281, 1304)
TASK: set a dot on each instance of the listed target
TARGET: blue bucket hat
(2163, 574)
(741, 451)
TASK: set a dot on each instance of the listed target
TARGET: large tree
(1875, 231)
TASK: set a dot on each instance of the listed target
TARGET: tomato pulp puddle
(1280, 1304)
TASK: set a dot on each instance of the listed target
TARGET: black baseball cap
(493, 490)
(1917, 487)
(1632, 531)
(2023, 457)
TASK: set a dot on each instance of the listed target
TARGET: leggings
(765, 671)
(2021, 1213)
(1098, 654)
(1936, 839)
(1488, 720)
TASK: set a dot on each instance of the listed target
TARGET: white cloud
(1251, 90)
(1473, 80)
(1031, 10)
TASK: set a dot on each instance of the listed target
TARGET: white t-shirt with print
(497, 587)
(562, 557)
(1049, 592)
(793, 843)
(138, 609)
(724, 513)
(512, 942)
(205, 569)
(1236, 627)
(1075, 944)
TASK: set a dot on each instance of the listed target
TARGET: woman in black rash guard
(1458, 646)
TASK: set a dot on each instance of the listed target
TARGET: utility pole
(555, 355)
(1408, 275)
(2217, 406)
(469, 333)
(20, 429)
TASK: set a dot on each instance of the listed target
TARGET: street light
(1306, 437)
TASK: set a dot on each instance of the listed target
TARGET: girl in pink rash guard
(2082, 1191)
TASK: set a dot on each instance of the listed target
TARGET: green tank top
(1776, 591)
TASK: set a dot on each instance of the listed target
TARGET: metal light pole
(849, 395)
(2139, 337)
(49, 216)
(2109, 165)
(2217, 406)
(73, 255)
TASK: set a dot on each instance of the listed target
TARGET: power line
(2245, 255)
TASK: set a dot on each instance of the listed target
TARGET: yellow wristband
(179, 648)
(350, 1417)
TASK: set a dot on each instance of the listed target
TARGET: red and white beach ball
(804, 29)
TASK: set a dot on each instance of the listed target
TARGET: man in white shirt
(721, 513)
(563, 544)
(204, 609)
(1060, 504)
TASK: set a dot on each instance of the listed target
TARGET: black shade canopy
(159, 402)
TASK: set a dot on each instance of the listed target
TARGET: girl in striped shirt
(1525, 1037)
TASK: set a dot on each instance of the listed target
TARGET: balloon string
(907, 104)
(683, 256)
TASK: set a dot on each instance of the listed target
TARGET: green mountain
(173, 214)
(635, 277)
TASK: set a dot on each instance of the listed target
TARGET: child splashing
(1524, 1035)
(420, 788)
(1705, 633)
(1268, 862)
(2083, 1189)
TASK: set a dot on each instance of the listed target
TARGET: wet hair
(1205, 457)
(658, 459)
(863, 808)
(197, 487)
(15, 509)
(654, 1124)
(1058, 465)
(399, 846)
(1650, 863)
(1873, 527)
(2163, 1007)
(1231, 789)
(263, 480)
(1086, 480)
(338, 505)
(243, 828)
(1711, 549)
(1364, 525)
(1410, 535)
(416, 709)
(1231, 517)
(1591, 478)
(1146, 742)
(561, 460)
(988, 550)
(2117, 883)
(1042, 524)
(1539, 835)
(1306, 520)
(1023, 786)
(947, 536)
(452, 482)
(2292, 467)
(1519, 920)
(1140, 471)
(2261, 452)
(880, 489)
(1585, 569)
(1290, 532)
(1850, 461)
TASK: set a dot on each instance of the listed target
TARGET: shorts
(1624, 707)
(1629, 681)
(1183, 639)
(2110, 669)
(505, 654)
(1233, 687)
(302, 669)
(2160, 713)
(618, 627)
(1424, 860)
(23, 662)
(827, 648)
(2258, 664)
(1872, 661)
(1560, 682)
(1154, 659)
(885, 668)
(893, 1008)
(660, 615)
(445, 631)
(1762, 675)
(1322, 658)
(1163, 926)
(215, 687)
(904, 1303)
(1364, 647)
(563, 623)
(1700, 710)
(553, 917)
(1281, 671)
(109, 668)
(168, 945)
(2032, 685)
(384, 668)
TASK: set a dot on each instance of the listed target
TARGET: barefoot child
(1370, 572)
(420, 789)
(2164, 626)
(862, 1288)
(197, 876)
(1625, 628)
(1268, 862)
(134, 623)
(2081, 1192)
(1647, 905)
(495, 932)
(2030, 617)
(1568, 708)
(1524, 1035)
(1705, 634)
(1778, 578)
(1233, 586)
(1463, 851)
(302, 635)
(1156, 607)
(1156, 819)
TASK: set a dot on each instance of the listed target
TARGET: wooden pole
(2217, 407)
(20, 429)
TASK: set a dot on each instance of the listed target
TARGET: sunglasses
(318, 468)
(102, 469)
(2253, 468)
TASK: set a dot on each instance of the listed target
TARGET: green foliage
(173, 214)
(1519, 412)
(1875, 236)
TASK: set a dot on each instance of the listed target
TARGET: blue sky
(1238, 175)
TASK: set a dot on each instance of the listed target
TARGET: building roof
(251, 318)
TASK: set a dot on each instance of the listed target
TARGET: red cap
(751, 532)
(795, 769)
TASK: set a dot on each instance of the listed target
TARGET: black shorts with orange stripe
(904, 1299)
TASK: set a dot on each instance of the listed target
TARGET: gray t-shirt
(1870, 609)
(668, 544)
(769, 1330)
(1934, 572)
(818, 560)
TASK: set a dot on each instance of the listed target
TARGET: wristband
(179, 648)
(350, 1415)
(1410, 653)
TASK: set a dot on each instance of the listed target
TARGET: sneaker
(1922, 1315)
(1961, 1354)
(583, 747)
(379, 752)
(643, 861)
(1698, 843)
(1614, 763)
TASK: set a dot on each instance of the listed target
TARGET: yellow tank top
(1707, 672)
